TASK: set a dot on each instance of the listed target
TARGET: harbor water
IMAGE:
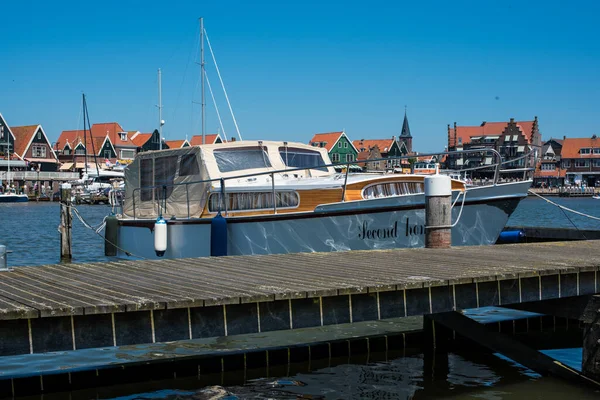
(31, 232)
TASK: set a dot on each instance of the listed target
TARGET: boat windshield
(300, 158)
(229, 160)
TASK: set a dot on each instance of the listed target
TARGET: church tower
(405, 134)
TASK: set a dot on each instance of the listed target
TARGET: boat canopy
(163, 182)
(170, 181)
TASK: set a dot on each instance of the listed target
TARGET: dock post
(3, 260)
(438, 211)
(65, 223)
(590, 363)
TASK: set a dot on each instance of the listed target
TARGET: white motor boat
(279, 197)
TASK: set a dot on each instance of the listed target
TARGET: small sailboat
(10, 194)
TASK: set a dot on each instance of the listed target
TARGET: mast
(7, 155)
(160, 121)
(85, 135)
(202, 75)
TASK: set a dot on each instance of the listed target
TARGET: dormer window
(123, 136)
(584, 151)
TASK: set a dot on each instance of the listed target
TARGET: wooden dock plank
(123, 286)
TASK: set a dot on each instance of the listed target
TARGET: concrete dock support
(66, 225)
(438, 211)
(590, 365)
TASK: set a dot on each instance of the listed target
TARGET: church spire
(405, 128)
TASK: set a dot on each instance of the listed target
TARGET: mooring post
(590, 363)
(438, 211)
(3, 260)
(65, 222)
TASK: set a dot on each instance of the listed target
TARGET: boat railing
(160, 190)
(41, 176)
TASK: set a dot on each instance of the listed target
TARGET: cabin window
(298, 158)
(388, 189)
(229, 160)
(146, 175)
(188, 165)
(164, 175)
(253, 201)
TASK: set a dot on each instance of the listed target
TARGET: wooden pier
(86, 306)
(73, 306)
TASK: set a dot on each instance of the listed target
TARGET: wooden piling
(438, 211)
(66, 253)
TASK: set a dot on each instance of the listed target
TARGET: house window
(349, 157)
(584, 151)
(345, 145)
(107, 154)
(459, 140)
(335, 157)
(567, 164)
(80, 151)
(507, 138)
(548, 167)
(323, 144)
(596, 163)
(582, 163)
(127, 154)
(123, 136)
(38, 151)
(67, 152)
(597, 151)
(39, 135)
(340, 145)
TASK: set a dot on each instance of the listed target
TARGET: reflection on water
(534, 211)
(459, 376)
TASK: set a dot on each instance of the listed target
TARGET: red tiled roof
(465, 133)
(111, 129)
(23, 135)
(329, 138)
(571, 147)
(174, 144)
(209, 139)
(71, 137)
(140, 139)
(383, 144)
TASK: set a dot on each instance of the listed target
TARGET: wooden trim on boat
(304, 215)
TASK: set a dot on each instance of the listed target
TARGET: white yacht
(266, 197)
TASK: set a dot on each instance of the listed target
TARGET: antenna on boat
(160, 120)
(202, 78)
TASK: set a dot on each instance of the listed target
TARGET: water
(31, 232)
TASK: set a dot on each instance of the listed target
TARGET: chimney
(483, 123)
(512, 120)
(233, 139)
(394, 138)
(564, 137)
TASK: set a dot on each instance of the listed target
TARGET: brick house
(549, 171)
(511, 139)
(580, 157)
(32, 146)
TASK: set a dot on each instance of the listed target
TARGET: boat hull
(388, 223)
(6, 198)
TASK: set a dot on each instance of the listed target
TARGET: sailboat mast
(7, 155)
(202, 76)
(84, 134)
(160, 123)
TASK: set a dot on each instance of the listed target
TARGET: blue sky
(295, 69)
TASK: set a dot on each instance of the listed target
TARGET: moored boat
(11, 196)
(279, 197)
